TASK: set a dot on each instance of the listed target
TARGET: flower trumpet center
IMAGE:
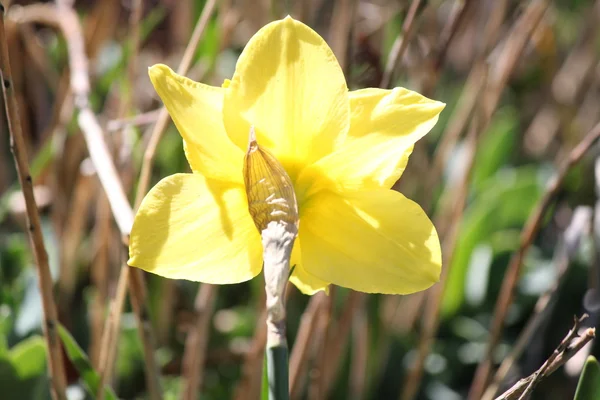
(269, 189)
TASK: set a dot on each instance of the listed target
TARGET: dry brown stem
(340, 33)
(249, 385)
(137, 296)
(339, 337)
(163, 117)
(434, 299)
(302, 346)
(146, 118)
(457, 16)
(56, 370)
(400, 44)
(565, 253)
(110, 332)
(317, 383)
(513, 270)
(567, 348)
(196, 341)
(357, 386)
(65, 19)
(492, 83)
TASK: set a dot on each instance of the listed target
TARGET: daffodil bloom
(343, 150)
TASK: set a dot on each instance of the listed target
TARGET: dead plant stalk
(513, 270)
(56, 370)
(66, 20)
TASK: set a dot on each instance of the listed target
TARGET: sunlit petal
(375, 241)
(385, 124)
(192, 228)
(196, 110)
(289, 85)
(305, 282)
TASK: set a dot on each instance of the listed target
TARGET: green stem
(277, 372)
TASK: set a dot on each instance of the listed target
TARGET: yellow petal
(196, 110)
(305, 282)
(192, 228)
(289, 85)
(384, 126)
(375, 241)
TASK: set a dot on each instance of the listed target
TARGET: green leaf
(588, 387)
(29, 358)
(496, 147)
(78, 357)
(23, 369)
(492, 210)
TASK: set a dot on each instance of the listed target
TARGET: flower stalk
(274, 210)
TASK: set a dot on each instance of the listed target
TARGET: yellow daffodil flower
(342, 150)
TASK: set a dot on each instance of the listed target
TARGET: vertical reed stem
(54, 354)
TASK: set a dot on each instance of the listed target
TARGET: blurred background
(521, 80)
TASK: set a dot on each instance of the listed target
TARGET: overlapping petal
(342, 150)
(304, 281)
(384, 126)
(196, 110)
(289, 85)
(374, 241)
(192, 228)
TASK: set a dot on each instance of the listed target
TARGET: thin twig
(562, 347)
(457, 15)
(434, 299)
(67, 21)
(493, 83)
(54, 355)
(520, 35)
(249, 383)
(112, 324)
(565, 253)
(111, 183)
(317, 385)
(338, 338)
(302, 345)
(132, 65)
(163, 117)
(158, 132)
(360, 353)
(99, 277)
(567, 348)
(196, 341)
(340, 33)
(137, 296)
(513, 270)
(400, 44)
(456, 125)
(146, 118)
(110, 332)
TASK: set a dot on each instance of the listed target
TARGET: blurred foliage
(545, 110)
(588, 387)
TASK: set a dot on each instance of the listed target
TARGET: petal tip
(132, 259)
(157, 71)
